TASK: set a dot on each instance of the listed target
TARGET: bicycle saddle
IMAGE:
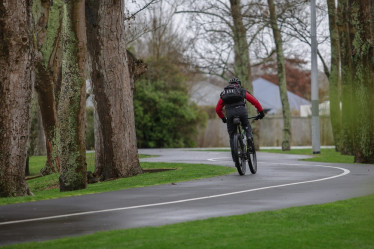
(236, 120)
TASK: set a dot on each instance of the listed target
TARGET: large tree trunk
(346, 78)
(48, 67)
(371, 87)
(71, 106)
(360, 19)
(334, 76)
(16, 82)
(281, 77)
(112, 90)
(242, 64)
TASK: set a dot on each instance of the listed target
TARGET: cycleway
(281, 181)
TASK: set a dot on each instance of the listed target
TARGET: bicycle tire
(252, 159)
(239, 155)
(234, 149)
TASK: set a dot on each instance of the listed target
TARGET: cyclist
(233, 98)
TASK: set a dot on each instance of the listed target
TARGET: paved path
(281, 181)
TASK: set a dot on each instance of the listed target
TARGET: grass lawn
(342, 224)
(327, 155)
(47, 187)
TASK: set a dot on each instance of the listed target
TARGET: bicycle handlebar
(254, 117)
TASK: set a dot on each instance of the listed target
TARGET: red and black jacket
(248, 97)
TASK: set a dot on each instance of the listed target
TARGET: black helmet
(235, 80)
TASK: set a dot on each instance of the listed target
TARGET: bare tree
(281, 77)
(136, 24)
(116, 150)
(225, 33)
(16, 83)
(294, 19)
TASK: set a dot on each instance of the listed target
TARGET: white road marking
(218, 159)
(345, 172)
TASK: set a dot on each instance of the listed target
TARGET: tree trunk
(41, 148)
(71, 106)
(346, 78)
(99, 146)
(281, 77)
(34, 129)
(242, 64)
(136, 68)
(112, 90)
(48, 67)
(242, 67)
(362, 52)
(334, 77)
(16, 82)
(371, 87)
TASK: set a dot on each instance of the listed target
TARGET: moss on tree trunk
(360, 20)
(334, 78)
(48, 24)
(71, 106)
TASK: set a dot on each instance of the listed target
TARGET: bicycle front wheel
(252, 159)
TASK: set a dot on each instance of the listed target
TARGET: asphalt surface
(281, 181)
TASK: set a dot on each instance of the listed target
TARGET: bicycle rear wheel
(252, 159)
(238, 154)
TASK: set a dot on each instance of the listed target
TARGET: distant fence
(215, 133)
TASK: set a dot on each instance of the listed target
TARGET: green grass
(343, 224)
(47, 187)
(37, 162)
(326, 155)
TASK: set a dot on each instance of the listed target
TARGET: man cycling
(233, 99)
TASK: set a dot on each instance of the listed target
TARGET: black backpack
(232, 94)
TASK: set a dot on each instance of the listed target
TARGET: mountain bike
(243, 150)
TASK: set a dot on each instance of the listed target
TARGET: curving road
(281, 181)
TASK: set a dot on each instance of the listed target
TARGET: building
(207, 94)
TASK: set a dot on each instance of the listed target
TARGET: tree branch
(138, 11)
(205, 13)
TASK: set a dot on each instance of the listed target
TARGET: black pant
(240, 112)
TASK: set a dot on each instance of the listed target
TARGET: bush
(165, 117)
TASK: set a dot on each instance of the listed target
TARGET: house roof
(267, 93)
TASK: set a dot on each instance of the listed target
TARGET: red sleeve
(219, 108)
(253, 101)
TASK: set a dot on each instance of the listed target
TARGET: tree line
(52, 45)
(67, 42)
